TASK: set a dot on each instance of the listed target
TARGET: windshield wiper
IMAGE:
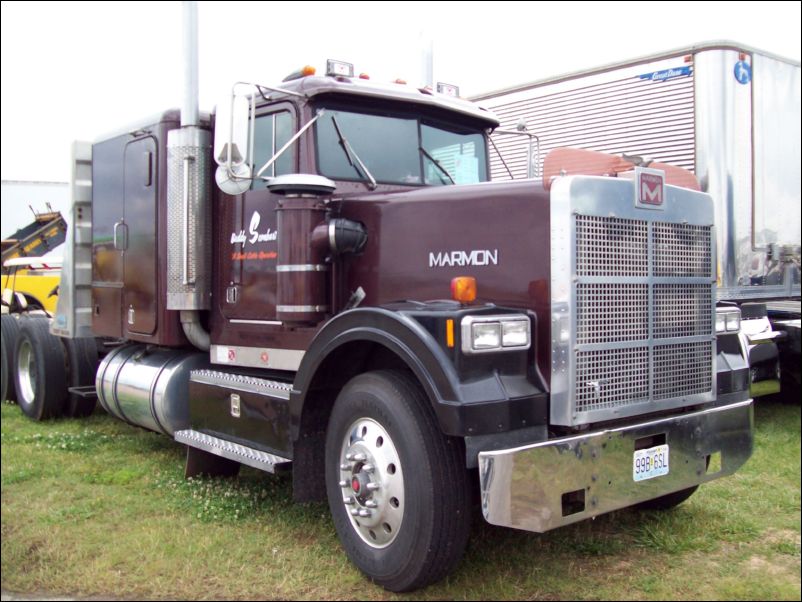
(436, 164)
(351, 154)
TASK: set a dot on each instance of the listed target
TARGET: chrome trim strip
(654, 343)
(233, 451)
(523, 487)
(256, 357)
(302, 267)
(185, 279)
(332, 237)
(260, 322)
(239, 382)
(302, 309)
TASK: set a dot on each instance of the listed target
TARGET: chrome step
(232, 451)
(238, 382)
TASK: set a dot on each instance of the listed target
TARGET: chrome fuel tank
(148, 387)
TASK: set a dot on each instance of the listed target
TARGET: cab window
(271, 132)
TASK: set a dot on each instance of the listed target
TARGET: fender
(489, 401)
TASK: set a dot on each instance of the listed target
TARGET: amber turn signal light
(463, 289)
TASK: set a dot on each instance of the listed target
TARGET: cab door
(139, 257)
(248, 265)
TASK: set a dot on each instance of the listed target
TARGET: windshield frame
(445, 122)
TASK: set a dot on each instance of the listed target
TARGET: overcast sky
(74, 70)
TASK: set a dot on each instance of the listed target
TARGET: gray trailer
(728, 113)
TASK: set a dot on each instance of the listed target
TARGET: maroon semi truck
(348, 296)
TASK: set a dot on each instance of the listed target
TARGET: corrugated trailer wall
(646, 110)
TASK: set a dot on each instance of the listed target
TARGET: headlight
(481, 334)
(486, 335)
(515, 333)
(734, 321)
(728, 319)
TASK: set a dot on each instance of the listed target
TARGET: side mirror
(233, 143)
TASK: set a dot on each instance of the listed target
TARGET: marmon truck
(731, 115)
(348, 296)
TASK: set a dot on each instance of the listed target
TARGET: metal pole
(189, 106)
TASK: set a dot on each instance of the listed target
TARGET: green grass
(94, 507)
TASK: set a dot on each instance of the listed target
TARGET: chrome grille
(643, 324)
(682, 369)
(611, 378)
(611, 246)
(682, 310)
(612, 312)
(682, 250)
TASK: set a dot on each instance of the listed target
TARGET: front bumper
(547, 485)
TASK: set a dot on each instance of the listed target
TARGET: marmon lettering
(463, 258)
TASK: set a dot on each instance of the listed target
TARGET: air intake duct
(346, 236)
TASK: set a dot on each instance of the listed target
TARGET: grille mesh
(682, 369)
(611, 246)
(682, 310)
(612, 312)
(622, 358)
(611, 378)
(681, 250)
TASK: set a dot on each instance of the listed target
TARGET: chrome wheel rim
(26, 366)
(372, 482)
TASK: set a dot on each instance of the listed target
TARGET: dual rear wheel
(39, 368)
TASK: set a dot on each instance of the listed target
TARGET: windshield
(398, 150)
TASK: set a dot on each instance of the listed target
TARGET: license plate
(650, 463)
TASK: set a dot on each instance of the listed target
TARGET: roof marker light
(304, 71)
(340, 68)
(448, 89)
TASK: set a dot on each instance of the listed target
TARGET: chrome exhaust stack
(189, 220)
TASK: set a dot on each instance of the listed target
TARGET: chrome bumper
(547, 485)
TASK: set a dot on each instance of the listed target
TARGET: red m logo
(651, 189)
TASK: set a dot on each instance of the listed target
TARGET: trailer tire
(387, 459)
(669, 501)
(10, 334)
(82, 361)
(41, 375)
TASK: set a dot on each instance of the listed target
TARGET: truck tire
(3, 370)
(10, 333)
(82, 362)
(669, 501)
(41, 375)
(397, 487)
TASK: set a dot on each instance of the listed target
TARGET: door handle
(120, 227)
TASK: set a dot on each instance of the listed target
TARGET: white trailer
(725, 111)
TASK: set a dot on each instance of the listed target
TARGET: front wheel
(397, 487)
